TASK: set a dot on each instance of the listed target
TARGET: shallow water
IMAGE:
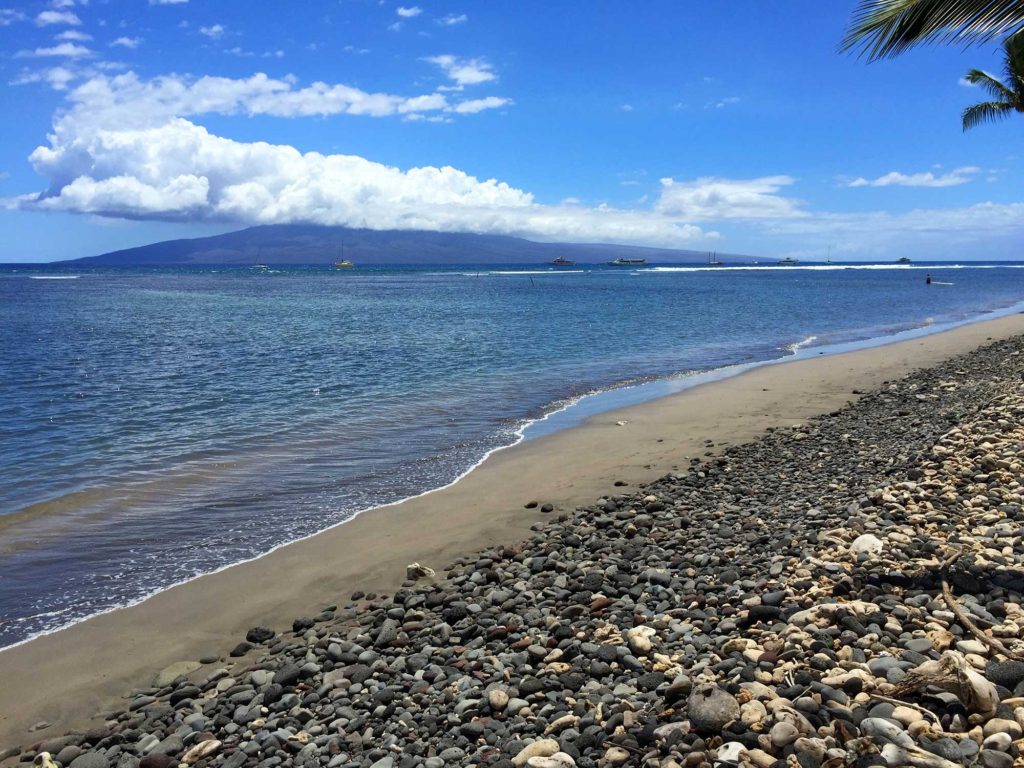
(156, 424)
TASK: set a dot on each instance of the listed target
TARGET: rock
(867, 544)
(999, 725)
(539, 748)
(302, 623)
(172, 672)
(41, 760)
(710, 708)
(783, 734)
(259, 635)
(497, 699)
(557, 760)
(1008, 674)
(157, 760)
(415, 571)
(201, 750)
(90, 760)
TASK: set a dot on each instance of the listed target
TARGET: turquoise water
(156, 424)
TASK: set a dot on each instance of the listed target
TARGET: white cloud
(127, 42)
(128, 101)
(966, 83)
(9, 16)
(626, 107)
(68, 50)
(712, 198)
(728, 101)
(213, 32)
(57, 78)
(463, 72)
(46, 18)
(179, 170)
(472, 106)
(954, 178)
(410, 12)
(451, 20)
(74, 35)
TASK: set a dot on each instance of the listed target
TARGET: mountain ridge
(293, 244)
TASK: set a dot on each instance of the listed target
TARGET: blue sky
(734, 127)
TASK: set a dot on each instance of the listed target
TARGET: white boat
(561, 261)
(259, 263)
(627, 262)
(342, 262)
(788, 260)
(713, 260)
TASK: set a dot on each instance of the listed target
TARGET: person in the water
(928, 279)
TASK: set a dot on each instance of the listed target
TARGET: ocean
(161, 423)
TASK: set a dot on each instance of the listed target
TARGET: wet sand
(67, 677)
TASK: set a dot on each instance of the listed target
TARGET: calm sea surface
(156, 424)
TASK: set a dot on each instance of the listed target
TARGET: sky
(731, 127)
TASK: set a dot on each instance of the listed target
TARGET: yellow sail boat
(342, 262)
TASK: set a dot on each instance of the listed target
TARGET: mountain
(299, 244)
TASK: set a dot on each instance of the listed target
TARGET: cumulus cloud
(712, 198)
(127, 42)
(46, 18)
(74, 35)
(410, 12)
(927, 179)
(451, 20)
(472, 106)
(9, 16)
(130, 101)
(68, 50)
(179, 170)
(463, 72)
(213, 32)
(57, 78)
(728, 101)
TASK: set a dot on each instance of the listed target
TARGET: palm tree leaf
(882, 28)
(985, 112)
(989, 83)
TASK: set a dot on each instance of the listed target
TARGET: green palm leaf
(985, 112)
(989, 83)
(884, 28)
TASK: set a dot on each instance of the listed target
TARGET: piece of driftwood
(952, 673)
(897, 703)
(994, 643)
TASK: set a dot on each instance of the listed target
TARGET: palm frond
(985, 112)
(989, 83)
(882, 28)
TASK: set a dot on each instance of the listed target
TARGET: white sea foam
(833, 267)
(797, 345)
(53, 277)
(538, 272)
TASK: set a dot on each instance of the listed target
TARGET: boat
(561, 261)
(627, 262)
(788, 260)
(342, 262)
(903, 260)
(258, 264)
(713, 260)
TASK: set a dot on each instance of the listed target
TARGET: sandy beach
(65, 678)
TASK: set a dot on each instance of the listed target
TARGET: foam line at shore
(574, 412)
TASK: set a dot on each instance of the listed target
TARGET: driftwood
(970, 626)
(952, 673)
(896, 702)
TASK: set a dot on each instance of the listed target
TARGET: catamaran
(561, 261)
(627, 262)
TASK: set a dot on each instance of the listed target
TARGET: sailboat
(713, 260)
(342, 262)
(259, 263)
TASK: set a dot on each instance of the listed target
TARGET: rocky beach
(841, 591)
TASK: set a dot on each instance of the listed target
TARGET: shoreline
(573, 413)
(49, 678)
